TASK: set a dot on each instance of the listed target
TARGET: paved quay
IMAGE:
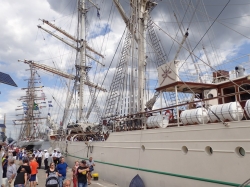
(98, 183)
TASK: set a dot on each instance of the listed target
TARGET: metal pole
(177, 108)
(161, 107)
(4, 121)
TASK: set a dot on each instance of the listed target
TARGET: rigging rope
(199, 59)
(208, 29)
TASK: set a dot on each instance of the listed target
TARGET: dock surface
(42, 178)
(98, 183)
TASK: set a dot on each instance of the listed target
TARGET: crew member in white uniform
(39, 158)
(36, 154)
(46, 156)
(54, 156)
(58, 156)
(197, 98)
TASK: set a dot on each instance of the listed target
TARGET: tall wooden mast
(82, 67)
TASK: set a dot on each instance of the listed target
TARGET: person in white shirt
(46, 156)
(36, 154)
(50, 160)
(90, 139)
(58, 156)
(197, 98)
(39, 158)
(54, 156)
(3, 152)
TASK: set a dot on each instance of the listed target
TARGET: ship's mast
(30, 102)
(142, 23)
(82, 67)
(136, 25)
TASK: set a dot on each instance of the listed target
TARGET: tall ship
(177, 109)
(31, 118)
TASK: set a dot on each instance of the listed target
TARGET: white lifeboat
(227, 112)
(160, 121)
(247, 108)
(194, 116)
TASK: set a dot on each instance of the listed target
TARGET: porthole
(209, 150)
(184, 149)
(143, 147)
(210, 96)
(240, 151)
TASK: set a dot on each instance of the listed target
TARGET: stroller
(52, 180)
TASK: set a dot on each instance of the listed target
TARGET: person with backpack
(21, 178)
(52, 176)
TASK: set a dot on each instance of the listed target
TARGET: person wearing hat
(82, 174)
(36, 154)
(197, 98)
(39, 158)
(50, 159)
(46, 156)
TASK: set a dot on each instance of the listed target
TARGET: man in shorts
(90, 164)
(33, 165)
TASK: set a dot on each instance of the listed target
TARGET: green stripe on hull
(165, 173)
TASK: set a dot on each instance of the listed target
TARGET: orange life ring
(170, 114)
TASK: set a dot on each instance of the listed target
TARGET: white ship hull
(163, 162)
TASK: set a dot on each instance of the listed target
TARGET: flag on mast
(35, 106)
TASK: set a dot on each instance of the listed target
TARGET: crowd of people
(21, 170)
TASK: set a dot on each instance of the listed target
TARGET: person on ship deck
(198, 98)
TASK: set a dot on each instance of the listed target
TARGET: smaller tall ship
(31, 133)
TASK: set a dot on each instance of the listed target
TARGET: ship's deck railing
(53, 132)
(130, 122)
